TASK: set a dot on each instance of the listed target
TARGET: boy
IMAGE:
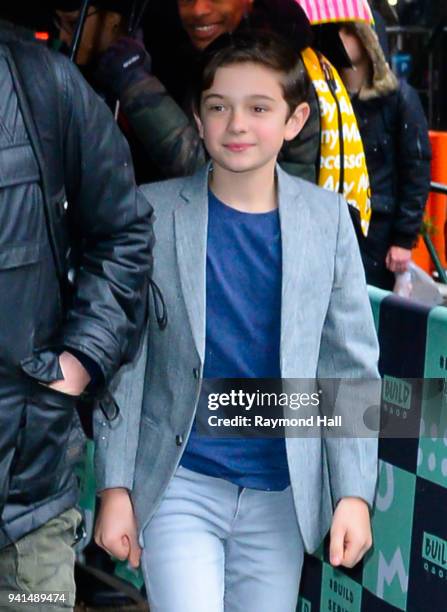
(259, 271)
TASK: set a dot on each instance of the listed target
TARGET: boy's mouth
(236, 147)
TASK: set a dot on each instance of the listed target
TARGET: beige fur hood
(384, 81)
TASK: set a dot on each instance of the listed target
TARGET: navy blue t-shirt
(243, 319)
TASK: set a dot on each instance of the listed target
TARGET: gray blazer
(327, 331)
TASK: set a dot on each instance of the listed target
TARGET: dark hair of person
(116, 6)
(264, 48)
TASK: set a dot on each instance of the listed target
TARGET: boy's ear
(296, 121)
(198, 123)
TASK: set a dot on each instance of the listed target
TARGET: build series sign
(434, 553)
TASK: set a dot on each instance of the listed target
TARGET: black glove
(124, 64)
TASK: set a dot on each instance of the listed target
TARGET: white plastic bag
(403, 285)
(416, 284)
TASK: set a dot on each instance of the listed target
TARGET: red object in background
(436, 210)
(41, 36)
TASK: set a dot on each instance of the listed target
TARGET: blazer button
(196, 372)
(179, 440)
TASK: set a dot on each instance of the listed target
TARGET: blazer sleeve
(348, 357)
(116, 442)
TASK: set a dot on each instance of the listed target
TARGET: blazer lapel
(191, 225)
(294, 221)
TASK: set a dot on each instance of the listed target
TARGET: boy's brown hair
(264, 48)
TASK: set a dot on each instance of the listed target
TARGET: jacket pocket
(18, 164)
(19, 285)
(44, 367)
(16, 256)
(40, 465)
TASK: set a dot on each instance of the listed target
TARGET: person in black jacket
(68, 206)
(395, 136)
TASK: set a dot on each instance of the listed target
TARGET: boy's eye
(260, 109)
(218, 108)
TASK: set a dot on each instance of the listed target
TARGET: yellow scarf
(356, 189)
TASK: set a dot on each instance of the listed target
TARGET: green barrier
(339, 592)
(376, 296)
(386, 570)
(87, 492)
(432, 451)
(407, 567)
(87, 502)
(86, 475)
(125, 572)
(436, 352)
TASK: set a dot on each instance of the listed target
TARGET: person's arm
(168, 135)
(413, 168)
(111, 222)
(116, 527)
(116, 445)
(116, 441)
(413, 178)
(348, 362)
(350, 536)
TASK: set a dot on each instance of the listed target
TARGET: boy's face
(205, 20)
(244, 118)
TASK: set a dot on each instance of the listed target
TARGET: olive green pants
(41, 562)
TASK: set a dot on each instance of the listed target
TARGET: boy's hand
(350, 532)
(116, 528)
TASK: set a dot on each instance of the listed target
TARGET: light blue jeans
(213, 546)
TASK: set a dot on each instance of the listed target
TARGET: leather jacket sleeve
(413, 168)
(168, 135)
(110, 226)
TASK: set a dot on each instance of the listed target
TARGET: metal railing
(441, 189)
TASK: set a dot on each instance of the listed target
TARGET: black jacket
(71, 204)
(395, 137)
(397, 148)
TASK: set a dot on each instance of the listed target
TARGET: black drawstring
(107, 402)
(157, 296)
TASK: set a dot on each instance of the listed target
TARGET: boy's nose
(237, 122)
